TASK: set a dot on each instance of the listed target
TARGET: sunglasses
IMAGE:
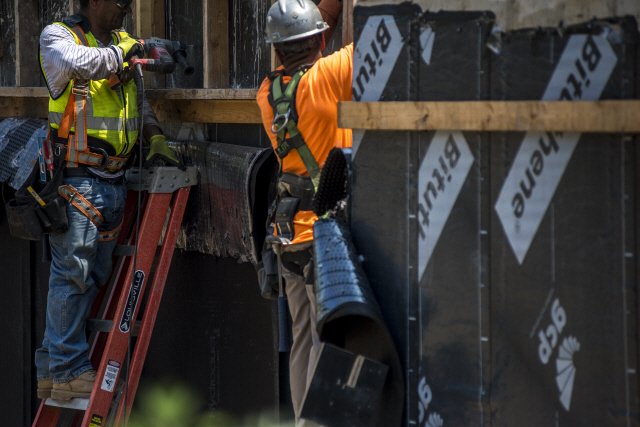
(123, 4)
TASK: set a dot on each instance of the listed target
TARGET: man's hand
(130, 47)
(160, 150)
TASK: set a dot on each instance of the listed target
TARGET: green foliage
(175, 405)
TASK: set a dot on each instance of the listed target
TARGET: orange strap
(68, 118)
(83, 205)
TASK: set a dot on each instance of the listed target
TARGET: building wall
(514, 14)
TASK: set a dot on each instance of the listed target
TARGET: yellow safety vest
(106, 116)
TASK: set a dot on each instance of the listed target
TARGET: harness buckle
(79, 91)
(105, 158)
(279, 116)
(80, 87)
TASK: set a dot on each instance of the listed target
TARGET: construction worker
(304, 132)
(95, 126)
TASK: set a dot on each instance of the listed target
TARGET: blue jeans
(81, 264)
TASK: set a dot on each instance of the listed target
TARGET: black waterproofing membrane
(505, 264)
(227, 210)
(349, 317)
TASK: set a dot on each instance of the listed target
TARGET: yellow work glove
(130, 47)
(159, 149)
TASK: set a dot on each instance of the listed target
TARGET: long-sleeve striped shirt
(64, 60)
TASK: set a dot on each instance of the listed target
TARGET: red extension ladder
(165, 191)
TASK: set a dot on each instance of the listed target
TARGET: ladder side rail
(100, 339)
(110, 308)
(47, 415)
(117, 342)
(127, 220)
(77, 419)
(153, 301)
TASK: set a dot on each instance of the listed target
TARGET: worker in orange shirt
(299, 112)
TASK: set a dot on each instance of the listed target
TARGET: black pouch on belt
(285, 212)
(27, 218)
(267, 270)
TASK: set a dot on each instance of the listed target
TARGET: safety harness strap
(83, 205)
(98, 160)
(105, 236)
(75, 112)
(284, 123)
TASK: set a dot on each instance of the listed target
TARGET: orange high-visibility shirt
(319, 90)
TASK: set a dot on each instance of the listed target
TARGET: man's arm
(151, 124)
(64, 60)
(330, 11)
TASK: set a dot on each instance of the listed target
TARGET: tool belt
(295, 194)
(29, 219)
(99, 155)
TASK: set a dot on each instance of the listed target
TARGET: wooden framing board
(23, 92)
(347, 21)
(180, 105)
(242, 94)
(148, 21)
(207, 111)
(24, 107)
(193, 94)
(26, 43)
(216, 43)
(555, 116)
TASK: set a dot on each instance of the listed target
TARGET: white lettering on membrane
(581, 74)
(549, 337)
(442, 173)
(374, 57)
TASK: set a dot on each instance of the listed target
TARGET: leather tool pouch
(27, 218)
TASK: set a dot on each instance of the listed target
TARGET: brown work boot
(44, 388)
(77, 387)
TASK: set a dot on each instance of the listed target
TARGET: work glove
(130, 47)
(159, 149)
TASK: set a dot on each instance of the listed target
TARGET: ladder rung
(76, 403)
(102, 325)
(124, 250)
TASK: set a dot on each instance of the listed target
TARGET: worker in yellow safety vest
(94, 121)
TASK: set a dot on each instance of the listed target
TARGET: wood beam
(27, 22)
(275, 62)
(216, 43)
(192, 94)
(347, 21)
(72, 7)
(189, 94)
(555, 116)
(207, 111)
(148, 21)
(24, 107)
(23, 92)
(167, 110)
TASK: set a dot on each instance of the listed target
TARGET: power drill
(163, 55)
